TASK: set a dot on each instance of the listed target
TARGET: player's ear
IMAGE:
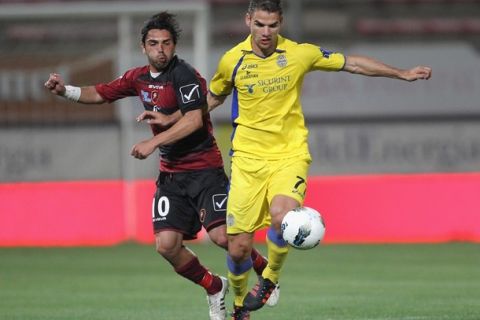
(142, 45)
(248, 19)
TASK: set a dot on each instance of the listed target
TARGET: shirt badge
(282, 61)
(155, 97)
(146, 96)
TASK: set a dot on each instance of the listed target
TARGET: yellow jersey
(267, 117)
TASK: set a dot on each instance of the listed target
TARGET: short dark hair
(265, 5)
(163, 21)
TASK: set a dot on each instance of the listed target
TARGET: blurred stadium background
(393, 161)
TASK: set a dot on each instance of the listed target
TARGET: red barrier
(398, 208)
(370, 209)
(61, 213)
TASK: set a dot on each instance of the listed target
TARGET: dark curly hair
(162, 21)
(265, 5)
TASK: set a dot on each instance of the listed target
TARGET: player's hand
(143, 149)
(55, 84)
(153, 117)
(418, 73)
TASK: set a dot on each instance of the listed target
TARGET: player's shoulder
(182, 68)
(297, 47)
(181, 65)
(181, 71)
(136, 72)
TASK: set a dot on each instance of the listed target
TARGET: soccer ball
(303, 228)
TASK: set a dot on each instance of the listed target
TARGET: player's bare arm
(190, 122)
(86, 95)
(158, 118)
(370, 67)
(214, 101)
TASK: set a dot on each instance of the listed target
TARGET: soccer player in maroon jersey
(192, 185)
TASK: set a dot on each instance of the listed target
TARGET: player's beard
(159, 63)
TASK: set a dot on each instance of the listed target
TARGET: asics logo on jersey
(250, 66)
(190, 93)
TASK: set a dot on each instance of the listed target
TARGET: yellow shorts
(254, 183)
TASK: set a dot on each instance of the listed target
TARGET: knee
(221, 241)
(239, 251)
(277, 214)
(279, 207)
(219, 236)
(167, 250)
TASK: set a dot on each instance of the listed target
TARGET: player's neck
(155, 73)
(263, 53)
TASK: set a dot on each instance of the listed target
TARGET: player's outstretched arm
(158, 118)
(370, 67)
(87, 95)
(188, 123)
(214, 101)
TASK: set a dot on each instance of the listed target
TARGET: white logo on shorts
(163, 208)
(219, 202)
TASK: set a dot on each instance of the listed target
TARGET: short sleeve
(318, 58)
(221, 83)
(190, 89)
(119, 88)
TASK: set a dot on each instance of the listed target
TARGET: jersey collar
(246, 45)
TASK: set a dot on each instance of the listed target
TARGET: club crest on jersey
(155, 96)
(146, 96)
(190, 92)
(282, 61)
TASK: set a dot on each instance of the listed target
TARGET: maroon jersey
(179, 86)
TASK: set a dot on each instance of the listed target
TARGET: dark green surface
(337, 282)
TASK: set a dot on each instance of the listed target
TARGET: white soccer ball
(303, 228)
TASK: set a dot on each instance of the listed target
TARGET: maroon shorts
(186, 201)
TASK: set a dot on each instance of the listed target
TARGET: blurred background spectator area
(84, 48)
(357, 124)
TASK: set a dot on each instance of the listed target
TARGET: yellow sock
(277, 253)
(239, 285)
(238, 279)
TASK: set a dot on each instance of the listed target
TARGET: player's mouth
(265, 41)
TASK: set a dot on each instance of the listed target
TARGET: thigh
(210, 200)
(289, 178)
(247, 208)
(172, 209)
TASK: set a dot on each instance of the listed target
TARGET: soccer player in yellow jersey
(270, 156)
